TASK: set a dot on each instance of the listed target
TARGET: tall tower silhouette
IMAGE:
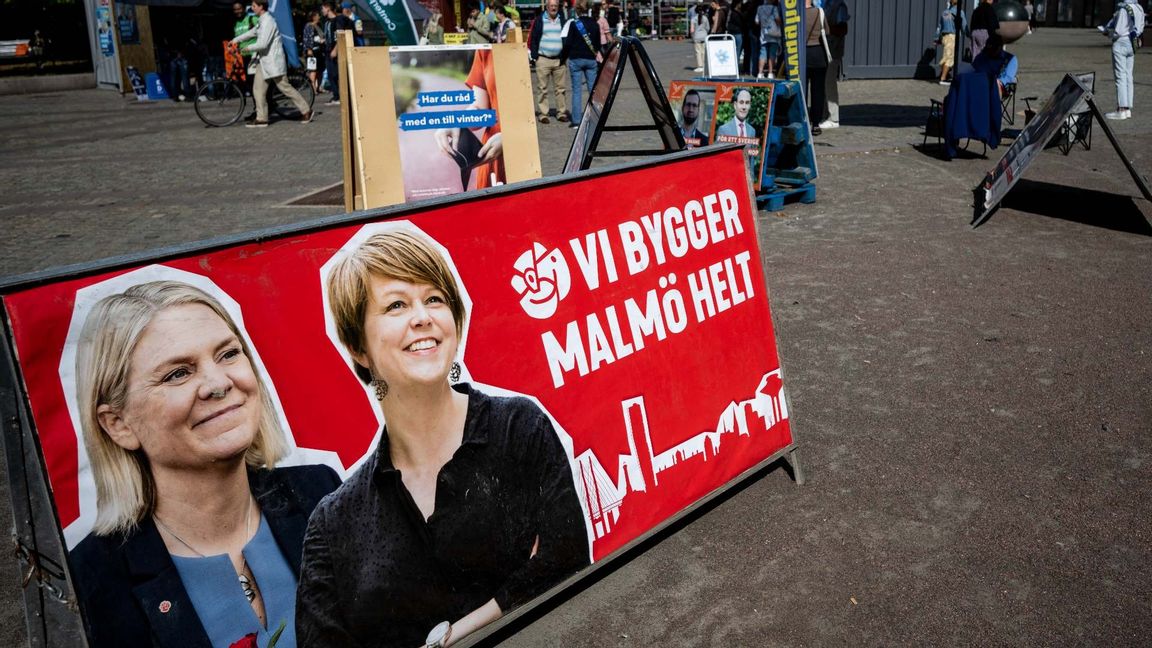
(635, 418)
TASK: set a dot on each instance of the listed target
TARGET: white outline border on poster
(86, 299)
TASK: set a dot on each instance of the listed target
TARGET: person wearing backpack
(1124, 29)
(769, 19)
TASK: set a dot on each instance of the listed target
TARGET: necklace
(250, 591)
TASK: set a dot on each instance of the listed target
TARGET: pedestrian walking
(336, 22)
(769, 21)
(984, 24)
(836, 11)
(433, 30)
(546, 50)
(719, 17)
(1125, 30)
(816, 50)
(504, 25)
(701, 24)
(271, 65)
(582, 49)
(946, 38)
(479, 28)
(605, 29)
(313, 42)
(734, 25)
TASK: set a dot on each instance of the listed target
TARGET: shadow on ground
(885, 115)
(1087, 206)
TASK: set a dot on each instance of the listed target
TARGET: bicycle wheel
(220, 103)
(283, 105)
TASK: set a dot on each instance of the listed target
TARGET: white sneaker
(947, 83)
(698, 69)
(1119, 114)
(828, 123)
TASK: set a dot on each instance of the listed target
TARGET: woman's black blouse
(376, 574)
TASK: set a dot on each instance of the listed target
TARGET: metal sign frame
(603, 96)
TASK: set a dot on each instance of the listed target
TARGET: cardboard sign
(722, 58)
(139, 87)
(739, 113)
(640, 326)
(431, 121)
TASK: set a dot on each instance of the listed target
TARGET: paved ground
(974, 406)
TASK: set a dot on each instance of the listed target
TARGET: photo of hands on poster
(448, 115)
(396, 432)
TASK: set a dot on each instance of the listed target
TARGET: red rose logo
(247, 641)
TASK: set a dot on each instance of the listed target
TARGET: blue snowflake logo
(722, 56)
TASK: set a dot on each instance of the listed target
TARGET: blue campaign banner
(794, 49)
(282, 12)
(448, 119)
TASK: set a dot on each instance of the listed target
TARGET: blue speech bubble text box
(445, 98)
(448, 119)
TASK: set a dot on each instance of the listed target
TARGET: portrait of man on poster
(690, 119)
(738, 126)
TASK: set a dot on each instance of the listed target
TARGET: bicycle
(223, 102)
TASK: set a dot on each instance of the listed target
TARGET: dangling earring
(380, 386)
(454, 373)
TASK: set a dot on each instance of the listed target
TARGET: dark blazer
(129, 590)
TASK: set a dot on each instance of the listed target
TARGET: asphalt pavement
(973, 406)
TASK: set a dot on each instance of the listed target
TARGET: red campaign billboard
(631, 306)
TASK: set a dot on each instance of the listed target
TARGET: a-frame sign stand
(585, 146)
(52, 613)
(1034, 138)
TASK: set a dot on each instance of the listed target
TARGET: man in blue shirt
(946, 37)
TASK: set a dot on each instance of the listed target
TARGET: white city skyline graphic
(640, 469)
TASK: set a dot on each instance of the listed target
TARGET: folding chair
(1008, 103)
(1078, 127)
(934, 127)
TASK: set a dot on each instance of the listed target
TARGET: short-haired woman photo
(466, 509)
(197, 539)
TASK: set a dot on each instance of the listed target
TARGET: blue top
(948, 22)
(219, 601)
(767, 16)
